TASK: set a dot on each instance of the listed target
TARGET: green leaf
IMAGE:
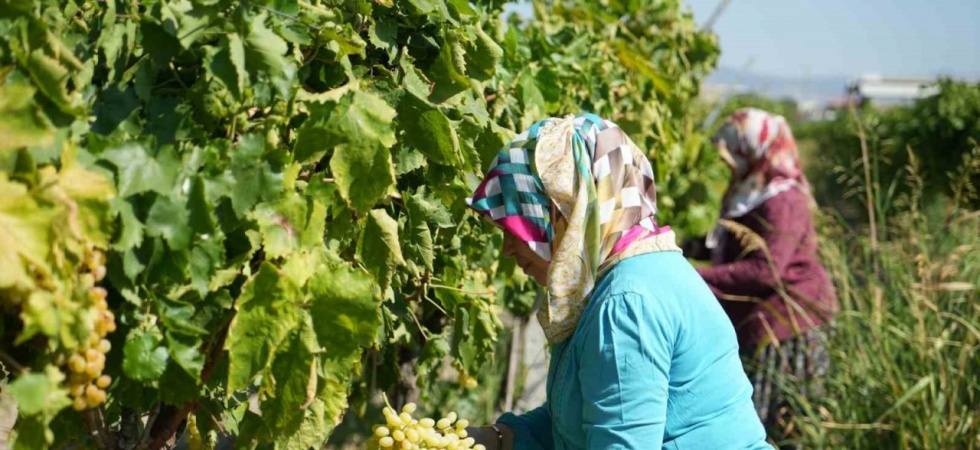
(448, 70)
(474, 333)
(482, 55)
(157, 43)
(41, 315)
(384, 36)
(112, 42)
(426, 129)
(379, 247)
(39, 393)
(178, 317)
(185, 351)
(435, 9)
(294, 380)
(265, 57)
(431, 357)
(550, 85)
(491, 140)
(299, 267)
(192, 22)
(409, 160)
(206, 257)
(363, 175)
(39, 397)
(531, 98)
(198, 209)
(331, 400)
(421, 207)
(290, 224)
(33, 433)
(359, 129)
(414, 80)
(144, 359)
(251, 178)
(130, 231)
(346, 308)
(137, 171)
(227, 64)
(417, 241)
(358, 118)
(461, 8)
(116, 112)
(345, 41)
(169, 219)
(265, 316)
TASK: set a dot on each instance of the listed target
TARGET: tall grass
(905, 348)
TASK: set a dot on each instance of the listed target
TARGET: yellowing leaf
(90, 193)
(22, 124)
(25, 235)
(266, 313)
(39, 393)
(345, 309)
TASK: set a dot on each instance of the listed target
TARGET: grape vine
(248, 218)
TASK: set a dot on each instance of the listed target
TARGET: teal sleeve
(625, 363)
(532, 430)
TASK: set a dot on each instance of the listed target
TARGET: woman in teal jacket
(643, 356)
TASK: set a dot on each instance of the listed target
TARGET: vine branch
(166, 432)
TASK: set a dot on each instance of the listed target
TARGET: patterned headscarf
(582, 195)
(762, 152)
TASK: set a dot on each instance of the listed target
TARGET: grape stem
(11, 363)
(95, 423)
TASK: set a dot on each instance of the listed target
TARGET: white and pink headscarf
(760, 149)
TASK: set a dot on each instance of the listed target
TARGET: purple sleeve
(782, 224)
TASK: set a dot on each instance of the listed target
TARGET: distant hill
(817, 89)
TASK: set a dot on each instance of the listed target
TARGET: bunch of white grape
(402, 431)
(87, 384)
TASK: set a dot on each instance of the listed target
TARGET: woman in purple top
(777, 295)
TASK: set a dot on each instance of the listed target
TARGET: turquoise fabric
(653, 364)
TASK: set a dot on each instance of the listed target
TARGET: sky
(846, 38)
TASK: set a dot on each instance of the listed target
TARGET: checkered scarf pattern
(513, 197)
(587, 172)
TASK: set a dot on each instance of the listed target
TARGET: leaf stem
(422, 329)
(177, 76)
(450, 288)
(435, 304)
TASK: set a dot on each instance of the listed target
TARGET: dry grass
(905, 348)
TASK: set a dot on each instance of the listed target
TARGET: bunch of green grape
(402, 431)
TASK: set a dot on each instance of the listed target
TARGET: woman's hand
(489, 438)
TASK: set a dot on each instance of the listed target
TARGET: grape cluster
(467, 381)
(194, 439)
(87, 384)
(402, 431)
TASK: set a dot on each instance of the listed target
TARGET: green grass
(905, 348)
